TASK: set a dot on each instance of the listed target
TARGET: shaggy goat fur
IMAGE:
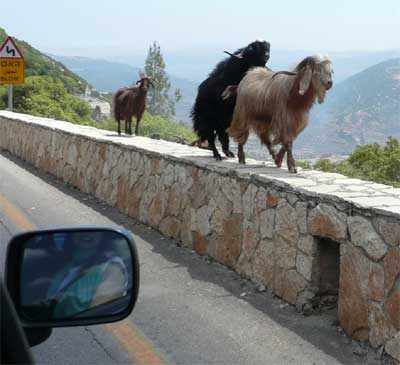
(129, 102)
(211, 114)
(276, 105)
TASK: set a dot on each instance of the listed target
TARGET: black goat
(129, 102)
(211, 114)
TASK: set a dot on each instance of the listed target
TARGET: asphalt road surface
(190, 310)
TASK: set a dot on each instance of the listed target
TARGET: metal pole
(10, 98)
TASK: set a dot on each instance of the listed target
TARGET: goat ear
(305, 80)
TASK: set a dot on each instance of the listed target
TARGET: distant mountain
(196, 64)
(105, 76)
(364, 108)
(108, 76)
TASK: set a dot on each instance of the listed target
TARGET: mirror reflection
(75, 274)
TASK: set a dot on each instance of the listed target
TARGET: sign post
(12, 67)
(10, 98)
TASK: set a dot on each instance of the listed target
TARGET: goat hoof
(218, 158)
(242, 162)
(229, 153)
(293, 170)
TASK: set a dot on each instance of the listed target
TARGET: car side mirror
(73, 276)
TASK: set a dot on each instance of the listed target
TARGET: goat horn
(239, 56)
(138, 81)
(288, 73)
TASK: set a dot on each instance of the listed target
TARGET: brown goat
(129, 102)
(276, 105)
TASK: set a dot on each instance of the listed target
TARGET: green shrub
(371, 162)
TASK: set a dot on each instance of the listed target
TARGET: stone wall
(290, 233)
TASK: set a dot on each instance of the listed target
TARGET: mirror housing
(66, 277)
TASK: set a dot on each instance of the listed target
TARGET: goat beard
(321, 93)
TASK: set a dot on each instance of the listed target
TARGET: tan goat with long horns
(276, 105)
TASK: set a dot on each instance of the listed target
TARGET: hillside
(363, 109)
(49, 88)
(108, 76)
(49, 92)
(39, 64)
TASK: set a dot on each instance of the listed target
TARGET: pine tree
(159, 101)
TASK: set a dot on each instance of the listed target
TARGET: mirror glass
(75, 274)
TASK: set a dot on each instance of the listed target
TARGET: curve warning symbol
(10, 50)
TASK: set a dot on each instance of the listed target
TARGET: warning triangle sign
(10, 50)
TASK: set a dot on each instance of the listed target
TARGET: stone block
(288, 284)
(389, 230)
(285, 254)
(352, 306)
(307, 244)
(286, 223)
(267, 223)
(363, 235)
(203, 221)
(304, 265)
(272, 200)
(392, 305)
(380, 325)
(391, 265)
(264, 262)
(392, 347)
(326, 221)
(301, 212)
(200, 243)
(170, 227)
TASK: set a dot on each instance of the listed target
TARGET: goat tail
(117, 104)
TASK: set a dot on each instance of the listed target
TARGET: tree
(159, 101)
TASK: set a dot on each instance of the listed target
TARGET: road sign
(12, 63)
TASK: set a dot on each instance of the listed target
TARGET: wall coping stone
(345, 193)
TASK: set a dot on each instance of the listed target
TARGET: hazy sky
(102, 28)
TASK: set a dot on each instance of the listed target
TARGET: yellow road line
(14, 214)
(143, 352)
(140, 351)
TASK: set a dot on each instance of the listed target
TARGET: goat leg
(119, 127)
(224, 139)
(280, 155)
(137, 127)
(241, 156)
(272, 152)
(267, 141)
(216, 154)
(290, 159)
(213, 148)
(130, 126)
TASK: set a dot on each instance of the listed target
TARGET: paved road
(190, 310)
